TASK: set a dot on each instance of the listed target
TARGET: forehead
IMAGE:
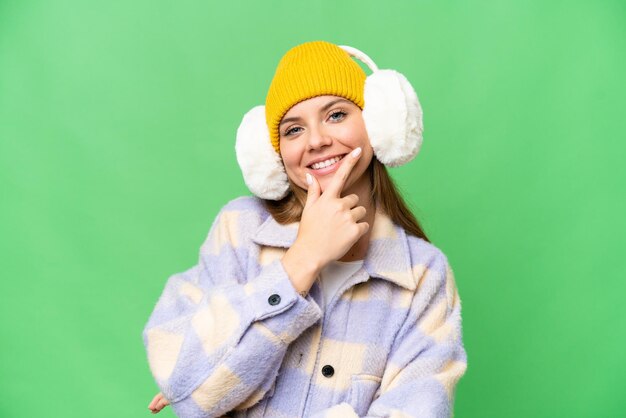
(314, 104)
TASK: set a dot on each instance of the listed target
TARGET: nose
(318, 138)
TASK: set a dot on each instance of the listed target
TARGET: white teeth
(326, 163)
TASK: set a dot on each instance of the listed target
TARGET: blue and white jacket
(231, 335)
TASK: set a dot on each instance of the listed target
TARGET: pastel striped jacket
(231, 336)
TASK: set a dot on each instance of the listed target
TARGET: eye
(288, 131)
(339, 112)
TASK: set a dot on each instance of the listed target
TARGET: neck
(363, 190)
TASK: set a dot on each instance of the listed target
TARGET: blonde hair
(384, 195)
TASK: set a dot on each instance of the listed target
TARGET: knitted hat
(308, 70)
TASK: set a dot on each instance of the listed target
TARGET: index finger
(341, 175)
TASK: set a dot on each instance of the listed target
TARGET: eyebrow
(322, 109)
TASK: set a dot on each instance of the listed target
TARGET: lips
(319, 160)
(326, 170)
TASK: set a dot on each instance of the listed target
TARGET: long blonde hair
(384, 194)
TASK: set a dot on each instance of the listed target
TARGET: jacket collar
(387, 256)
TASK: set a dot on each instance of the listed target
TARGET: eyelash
(287, 132)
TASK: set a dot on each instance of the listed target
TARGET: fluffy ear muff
(393, 117)
(262, 168)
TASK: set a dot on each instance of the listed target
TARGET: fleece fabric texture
(231, 336)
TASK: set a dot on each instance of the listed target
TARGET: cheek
(287, 155)
(354, 134)
(291, 166)
(290, 163)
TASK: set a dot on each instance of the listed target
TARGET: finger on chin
(339, 179)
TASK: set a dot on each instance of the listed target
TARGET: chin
(323, 184)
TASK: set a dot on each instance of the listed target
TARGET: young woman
(321, 295)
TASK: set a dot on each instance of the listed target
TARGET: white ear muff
(392, 113)
(262, 168)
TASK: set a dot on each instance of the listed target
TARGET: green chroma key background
(117, 130)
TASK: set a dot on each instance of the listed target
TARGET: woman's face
(317, 130)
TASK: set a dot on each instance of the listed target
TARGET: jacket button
(274, 299)
(328, 370)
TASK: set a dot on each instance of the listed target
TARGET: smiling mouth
(326, 163)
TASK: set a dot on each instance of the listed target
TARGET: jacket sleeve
(215, 341)
(427, 358)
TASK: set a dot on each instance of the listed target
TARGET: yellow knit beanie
(308, 70)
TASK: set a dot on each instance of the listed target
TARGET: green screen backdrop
(117, 132)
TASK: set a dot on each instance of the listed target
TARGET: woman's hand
(328, 228)
(158, 402)
(329, 225)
